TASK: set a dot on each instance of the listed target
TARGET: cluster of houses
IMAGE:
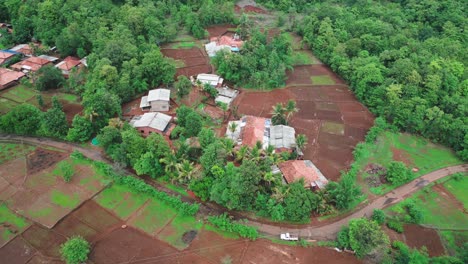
(30, 64)
(251, 129)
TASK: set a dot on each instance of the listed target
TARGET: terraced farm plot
(10, 151)
(19, 93)
(153, 217)
(10, 224)
(322, 80)
(173, 233)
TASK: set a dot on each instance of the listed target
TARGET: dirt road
(323, 232)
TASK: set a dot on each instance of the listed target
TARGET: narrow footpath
(322, 232)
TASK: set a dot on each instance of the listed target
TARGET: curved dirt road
(324, 232)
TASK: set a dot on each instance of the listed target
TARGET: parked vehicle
(288, 237)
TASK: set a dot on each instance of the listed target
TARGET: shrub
(342, 237)
(225, 224)
(395, 225)
(378, 216)
(414, 213)
(67, 170)
(398, 173)
(75, 250)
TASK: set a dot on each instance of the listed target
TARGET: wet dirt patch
(417, 237)
(42, 159)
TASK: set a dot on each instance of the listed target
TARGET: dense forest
(404, 59)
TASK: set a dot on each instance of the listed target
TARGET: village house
(157, 100)
(49, 58)
(6, 56)
(9, 78)
(25, 49)
(31, 64)
(152, 123)
(226, 95)
(251, 129)
(68, 64)
(211, 79)
(294, 170)
(228, 43)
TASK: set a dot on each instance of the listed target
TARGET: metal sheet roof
(159, 95)
(158, 121)
(282, 136)
(144, 102)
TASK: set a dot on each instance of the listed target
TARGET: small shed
(294, 170)
(157, 100)
(211, 79)
(49, 58)
(226, 95)
(282, 137)
(151, 123)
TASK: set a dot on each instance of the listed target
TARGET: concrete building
(251, 129)
(151, 123)
(294, 170)
(226, 95)
(9, 78)
(212, 48)
(157, 100)
(211, 79)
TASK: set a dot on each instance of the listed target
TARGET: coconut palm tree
(225, 108)
(278, 115)
(270, 151)
(170, 164)
(290, 110)
(185, 171)
(301, 141)
(232, 128)
(242, 153)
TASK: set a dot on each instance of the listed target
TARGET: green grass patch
(180, 190)
(71, 98)
(184, 38)
(333, 128)
(15, 222)
(173, 232)
(322, 80)
(303, 58)
(121, 200)
(421, 154)
(459, 187)
(9, 151)
(352, 206)
(225, 234)
(453, 240)
(437, 210)
(183, 45)
(40, 212)
(64, 200)
(20, 93)
(6, 105)
(154, 217)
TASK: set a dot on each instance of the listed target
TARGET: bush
(378, 216)
(225, 224)
(75, 250)
(414, 213)
(67, 170)
(342, 237)
(398, 173)
(395, 225)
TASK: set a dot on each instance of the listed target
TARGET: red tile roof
(68, 63)
(7, 76)
(227, 40)
(34, 62)
(253, 130)
(4, 56)
(294, 170)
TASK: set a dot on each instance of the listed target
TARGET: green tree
(345, 192)
(149, 164)
(278, 115)
(290, 109)
(24, 119)
(40, 100)
(378, 216)
(49, 77)
(298, 202)
(193, 125)
(398, 173)
(54, 123)
(75, 250)
(183, 86)
(366, 237)
(206, 137)
(108, 136)
(81, 129)
(301, 141)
